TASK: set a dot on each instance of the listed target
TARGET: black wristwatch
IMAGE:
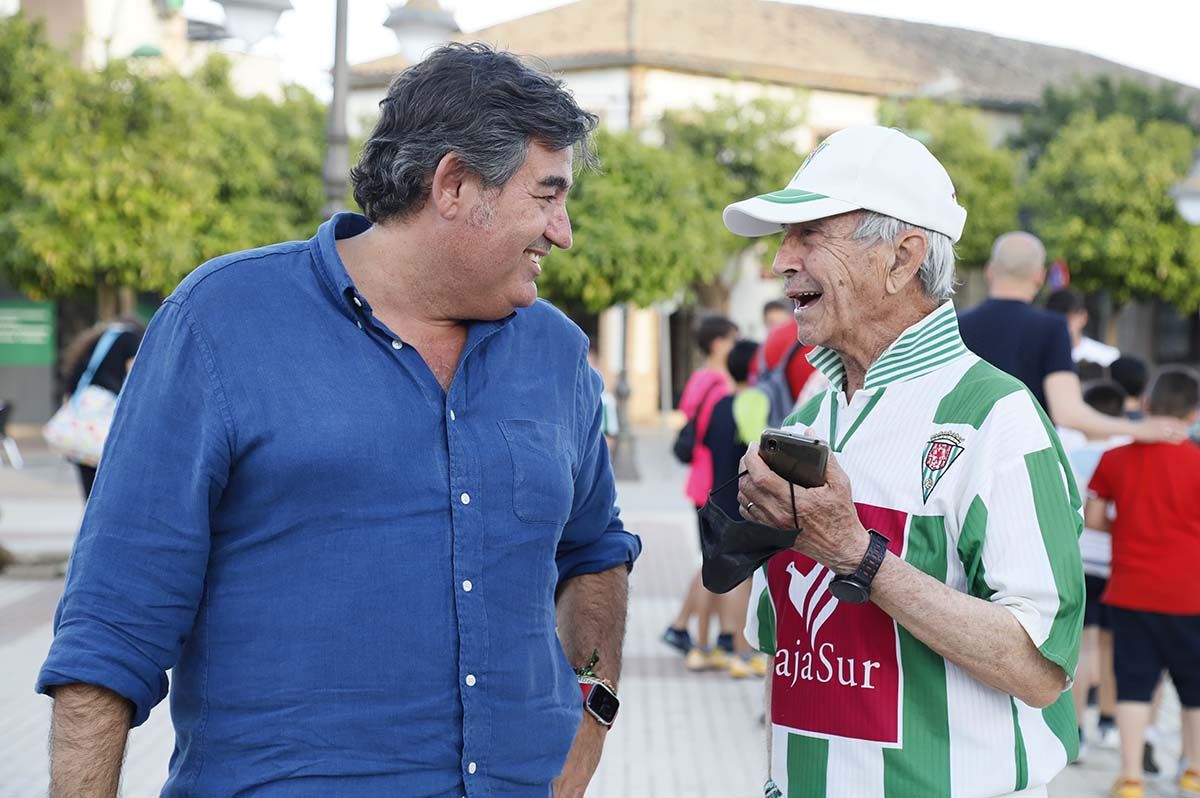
(599, 699)
(855, 588)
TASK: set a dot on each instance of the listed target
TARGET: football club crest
(940, 453)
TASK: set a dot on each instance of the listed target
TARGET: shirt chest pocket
(542, 488)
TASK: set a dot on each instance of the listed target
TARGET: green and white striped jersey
(956, 463)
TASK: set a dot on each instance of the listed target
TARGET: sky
(1159, 36)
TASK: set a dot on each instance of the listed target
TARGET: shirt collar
(337, 280)
(329, 264)
(924, 347)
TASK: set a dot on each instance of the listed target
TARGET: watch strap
(873, 559)
(860, 580)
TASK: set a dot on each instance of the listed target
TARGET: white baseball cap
(866, 167)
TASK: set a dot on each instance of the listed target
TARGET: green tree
(748, 147)
(132, 176)
(642, 227)
(1102, 96)
(1100, 199)
(984, 176)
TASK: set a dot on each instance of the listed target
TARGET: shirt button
(465, 498)
(452, 416)
(471, 768)
(359, 323)
(467, 586)
(471, 680)
(397, 345)
(357, 303)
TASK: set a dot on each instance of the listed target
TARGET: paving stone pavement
(680, 734)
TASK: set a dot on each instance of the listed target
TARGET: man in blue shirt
(355, 483)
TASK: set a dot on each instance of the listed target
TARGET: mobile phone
(797, 458)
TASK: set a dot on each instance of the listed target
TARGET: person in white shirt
(1095, 548)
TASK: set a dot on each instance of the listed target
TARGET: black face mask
(734, 548)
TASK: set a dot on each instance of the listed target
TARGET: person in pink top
(710, 383)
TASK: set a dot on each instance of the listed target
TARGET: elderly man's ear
(909, 254)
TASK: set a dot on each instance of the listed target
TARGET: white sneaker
(1108, 737)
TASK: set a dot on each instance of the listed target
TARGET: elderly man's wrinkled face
(837, 283)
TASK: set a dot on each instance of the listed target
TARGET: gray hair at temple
(936, 271)
(483, 104)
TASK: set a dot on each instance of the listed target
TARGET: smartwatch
(599, 700)
(855, 588)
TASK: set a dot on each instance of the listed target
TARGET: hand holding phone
(797, 458)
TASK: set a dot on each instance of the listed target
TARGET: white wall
(668, 90)
(604, 92)
(362, 110)
(1000, 125)
(115, 28)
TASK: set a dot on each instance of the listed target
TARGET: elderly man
(937, 662)
(338, 505)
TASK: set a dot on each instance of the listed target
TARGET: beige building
(630, 60)
(97, 31)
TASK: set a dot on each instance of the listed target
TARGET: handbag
(80, 427)
(685, 441)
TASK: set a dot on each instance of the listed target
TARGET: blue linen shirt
(351, 571)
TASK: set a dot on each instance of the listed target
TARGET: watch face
(849, 590)
(602, 704)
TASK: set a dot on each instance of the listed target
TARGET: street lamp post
(337, 145)
(254, 20)
(624, 461)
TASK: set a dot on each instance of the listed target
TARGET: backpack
(685, 441)
(774, 383)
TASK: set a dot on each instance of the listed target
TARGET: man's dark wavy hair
(483, 104)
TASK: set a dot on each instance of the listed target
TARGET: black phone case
(797, 458)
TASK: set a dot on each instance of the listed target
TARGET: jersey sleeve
(1019, 541)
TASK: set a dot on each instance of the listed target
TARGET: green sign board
(26, 333)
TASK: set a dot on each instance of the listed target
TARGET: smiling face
(837, 283)
(508, 231)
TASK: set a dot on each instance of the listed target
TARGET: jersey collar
(924, 347)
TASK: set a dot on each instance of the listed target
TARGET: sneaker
(1148, 763)
(697, 660)
(678, 639)
(758, 664)
(1128, 788)
(1107, 736)
(739, 667)
(1189, 782)
(719, 659)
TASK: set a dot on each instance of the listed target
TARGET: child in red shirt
(1153, 591)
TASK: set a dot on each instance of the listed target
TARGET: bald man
(1034, 345)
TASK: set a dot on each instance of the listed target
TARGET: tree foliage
(1103, 96)
(746, 148)
(642, 228)
(984, 176)
(1099, 198)
(649, 223)
(132, 176)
